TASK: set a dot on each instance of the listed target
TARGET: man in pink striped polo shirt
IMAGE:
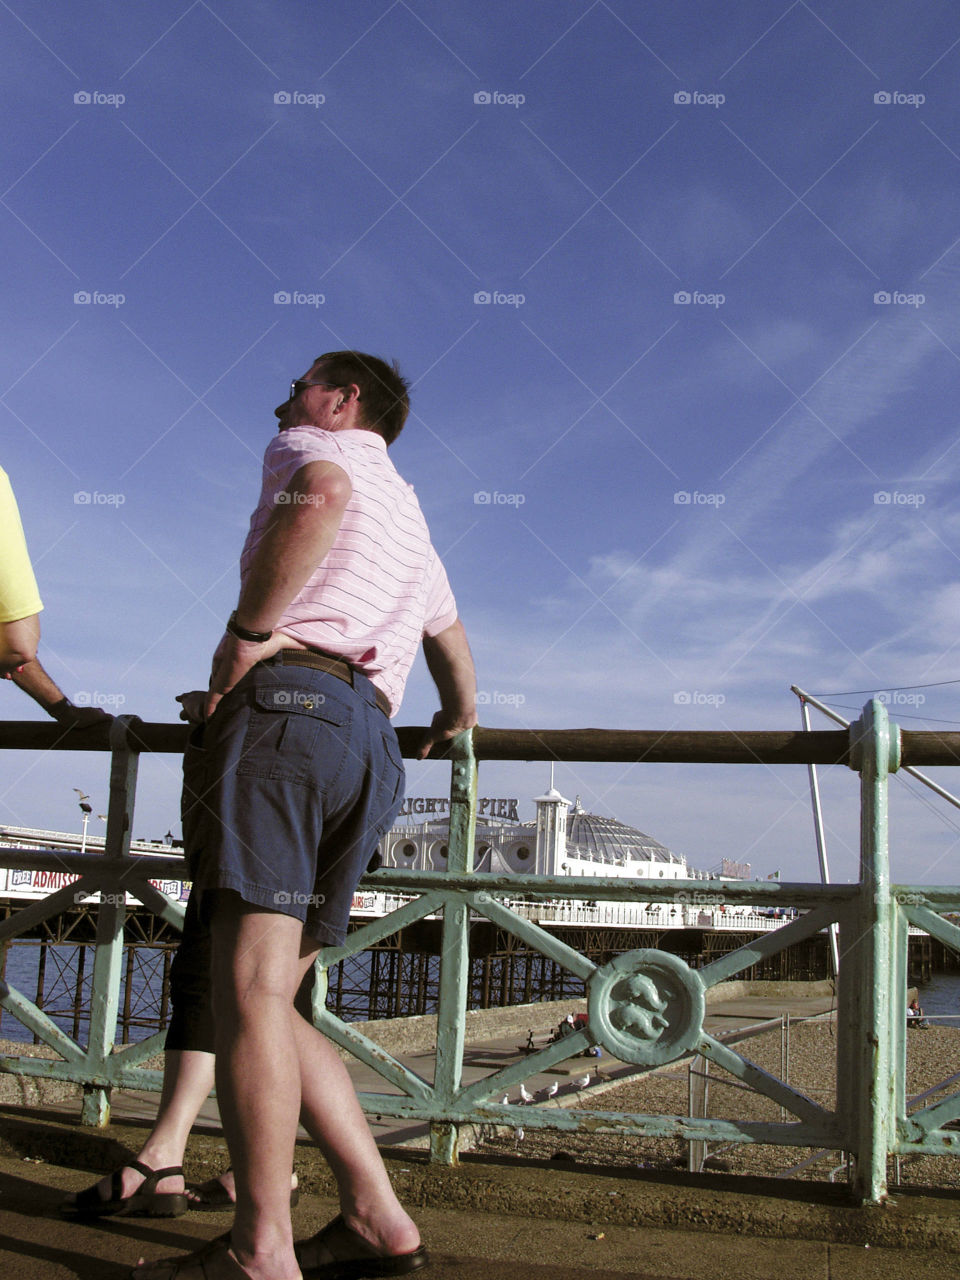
(339, 587)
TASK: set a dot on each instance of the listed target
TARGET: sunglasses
(299, 383)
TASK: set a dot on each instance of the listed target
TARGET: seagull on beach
(551, 1092)
(505, 1100)
(525, 1094)
(518, 1134)
(584, 1082)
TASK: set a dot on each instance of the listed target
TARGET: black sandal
(193, 1266)
(339, 1253)
(145, 1200)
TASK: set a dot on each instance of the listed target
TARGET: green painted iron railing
(644, 1007)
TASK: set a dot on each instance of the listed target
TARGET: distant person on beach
(300, 775)
(915, 1016)
(20, 607)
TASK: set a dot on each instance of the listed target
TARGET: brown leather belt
(333, 666)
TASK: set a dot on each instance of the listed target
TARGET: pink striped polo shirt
(381, 587)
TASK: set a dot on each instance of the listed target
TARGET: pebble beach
(933, 1056)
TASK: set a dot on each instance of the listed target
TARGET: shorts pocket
(294, 734)
(290, 699)
(392, 783)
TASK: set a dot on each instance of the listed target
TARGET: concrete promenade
(486, 1221)
(491, 1219)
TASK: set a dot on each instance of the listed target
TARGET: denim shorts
(296, 780)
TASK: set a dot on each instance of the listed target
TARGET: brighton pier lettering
(491, 806)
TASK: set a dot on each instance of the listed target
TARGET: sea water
(21, 972)
(939, 998)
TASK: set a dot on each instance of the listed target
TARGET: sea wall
(414, 1035)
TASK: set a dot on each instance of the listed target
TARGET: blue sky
(677, 290)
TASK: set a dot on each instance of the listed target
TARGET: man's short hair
(384, 393)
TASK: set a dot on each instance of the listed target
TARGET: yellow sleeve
(19, 597)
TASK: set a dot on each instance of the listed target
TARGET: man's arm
(451, 665)
(18, 643)
(293, 546)
(34, 680)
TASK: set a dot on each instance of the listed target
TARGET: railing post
(111, 913)
(698, 1093)
(455, 948)
(898, 1013)
(875, 751)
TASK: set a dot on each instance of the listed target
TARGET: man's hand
(443, 727)
(191, 705)
(72, 717)
(231, 662)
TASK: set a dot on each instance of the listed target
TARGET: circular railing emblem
(646, 1007)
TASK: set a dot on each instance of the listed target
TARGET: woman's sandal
(145, 1200)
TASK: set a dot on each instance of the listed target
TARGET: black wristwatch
(241, 633)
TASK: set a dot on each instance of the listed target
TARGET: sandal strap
(196, 1262)
(151, 1176)
(336, 1242)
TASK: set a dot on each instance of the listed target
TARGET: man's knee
(256, 953)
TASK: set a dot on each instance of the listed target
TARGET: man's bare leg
(332, 1114)
(271, 1064)
(187, 1080)
(256, 970)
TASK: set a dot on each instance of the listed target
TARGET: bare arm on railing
(19, 663)
(34, 680)
(451, 665)
(20, 606)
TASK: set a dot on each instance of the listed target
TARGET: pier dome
(607, 840)
(562, 840)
